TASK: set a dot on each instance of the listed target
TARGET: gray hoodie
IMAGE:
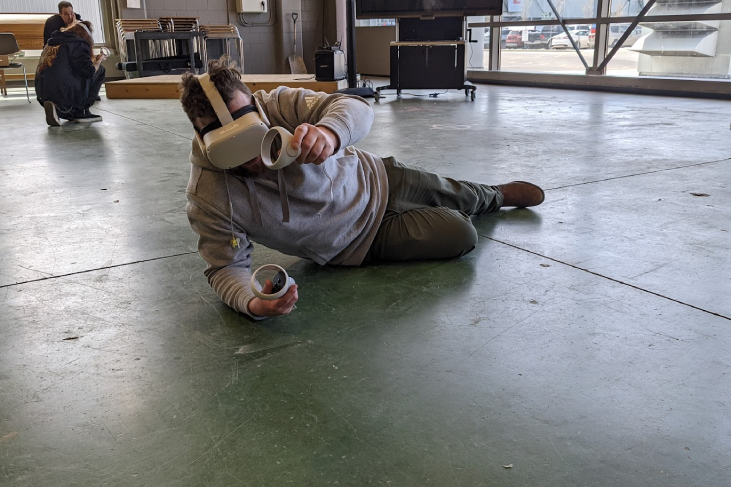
(334, 208)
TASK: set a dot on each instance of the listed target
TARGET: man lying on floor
(336, 205)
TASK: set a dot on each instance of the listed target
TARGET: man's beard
(243, 172)
(250, 169)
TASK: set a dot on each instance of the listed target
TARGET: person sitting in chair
(69, 76)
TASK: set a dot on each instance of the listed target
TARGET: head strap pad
(215, 98)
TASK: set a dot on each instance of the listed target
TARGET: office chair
(8, 46)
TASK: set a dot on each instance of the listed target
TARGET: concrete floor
(583, 343)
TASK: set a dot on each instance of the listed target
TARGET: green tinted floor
(583, 343)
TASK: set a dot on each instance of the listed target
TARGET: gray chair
(8, 46)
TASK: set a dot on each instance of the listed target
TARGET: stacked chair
(166, 53)
(163, 50)
(125, 34)
(180, 24)
(218, 40)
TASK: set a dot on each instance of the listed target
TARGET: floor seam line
(96, 269)
(609, 278)
(142, 123)
(640, 174)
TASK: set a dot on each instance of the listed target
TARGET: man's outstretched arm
(349, 118)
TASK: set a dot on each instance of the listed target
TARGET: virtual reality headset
(234, 138)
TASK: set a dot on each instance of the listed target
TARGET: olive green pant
(428, 216)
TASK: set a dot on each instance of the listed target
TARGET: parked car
(580, 37)
(503, 36)
(530, 38)
(579, 27)
(549, 31)
(615, 32)
(592, 36)
(539, 38)
(514, 40)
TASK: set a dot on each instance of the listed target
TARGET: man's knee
(434, 233)
(463, 236)
(455, 234)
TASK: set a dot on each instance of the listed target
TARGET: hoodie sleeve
(229, 269)
(349, 117)
(80, 57)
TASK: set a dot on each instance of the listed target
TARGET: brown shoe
(522, 194)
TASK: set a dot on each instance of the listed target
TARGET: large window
(541, 9)
(374, 22)
(688, 39)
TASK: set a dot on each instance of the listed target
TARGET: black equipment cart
(430, 54)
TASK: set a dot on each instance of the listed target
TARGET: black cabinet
(428, 65)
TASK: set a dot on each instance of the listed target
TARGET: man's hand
(274, 307)
(317, 143)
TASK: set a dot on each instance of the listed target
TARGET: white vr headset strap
(224, 116)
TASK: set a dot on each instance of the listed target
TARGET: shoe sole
(51, 115)
(87, 120)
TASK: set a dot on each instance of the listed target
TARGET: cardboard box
(4, 60)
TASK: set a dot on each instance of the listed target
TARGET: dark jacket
(65, 71)
(54, 23)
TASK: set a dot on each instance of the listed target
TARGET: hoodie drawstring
(283, 198)
(235, 242)
(332, 196)
(254, 201)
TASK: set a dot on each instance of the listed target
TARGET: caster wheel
(472, 96)
(378, 96)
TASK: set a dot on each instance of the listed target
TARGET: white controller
(286, 156)
(281, 282)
